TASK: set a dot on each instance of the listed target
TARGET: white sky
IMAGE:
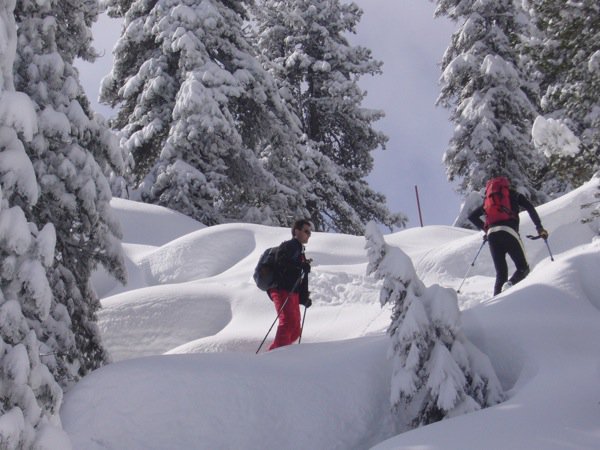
(406, 37)
(410, 42)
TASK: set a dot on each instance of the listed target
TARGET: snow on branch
(552, 137)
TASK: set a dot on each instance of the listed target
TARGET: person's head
(499, 172)
(302, 230)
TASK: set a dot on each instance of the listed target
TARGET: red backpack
(497, 205)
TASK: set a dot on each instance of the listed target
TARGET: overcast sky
(410, 42)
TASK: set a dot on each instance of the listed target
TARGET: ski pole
(533, 238)
(471, 266)
(273, 324)
(280, 310)
(302, 326)
(549, 251)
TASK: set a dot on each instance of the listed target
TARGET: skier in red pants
(292, 270)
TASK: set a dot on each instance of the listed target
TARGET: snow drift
(185, 330)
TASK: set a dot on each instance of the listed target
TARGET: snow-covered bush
(437, 372)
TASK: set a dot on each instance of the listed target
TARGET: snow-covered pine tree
(303, 44)
(563, 154)
(492, 100)
(67, 153)
(564, 45)
(203, 120)
(30, 397)
(437, 372)
(592, 213)
(142, 85)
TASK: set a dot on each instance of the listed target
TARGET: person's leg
(517, 254)
(296, 318)
(496, 241)
(288, 318)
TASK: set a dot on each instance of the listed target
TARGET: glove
(485, 237)
(543, 233)
(305, 266)
(305, 299)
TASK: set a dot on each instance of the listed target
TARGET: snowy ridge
(194, 294)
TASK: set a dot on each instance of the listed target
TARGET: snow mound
(151, 321)
(542, 336)
(143, 223)
(324, 396)
(202, 254)
(194, 293)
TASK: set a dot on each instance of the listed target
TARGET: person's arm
(288, 263)
(475, 218)
(526, 204)
(535, 218)
(304, 293)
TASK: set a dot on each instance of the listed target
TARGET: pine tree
(591, 209)
(68, 152)
(202, 120)
(30, 397)
(146, 103)
(492, 100)
(564, 47)
(304, 45)
(437, 372)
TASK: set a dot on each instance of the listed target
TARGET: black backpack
(264, 273)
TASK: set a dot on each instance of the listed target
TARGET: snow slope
(184, 332)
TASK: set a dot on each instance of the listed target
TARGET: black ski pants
(502, 242)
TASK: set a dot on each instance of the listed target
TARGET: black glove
(542, 233)
(485, 237)
(305, 299)
(305, 266)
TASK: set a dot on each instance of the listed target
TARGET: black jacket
(517, 201)
(289, 262)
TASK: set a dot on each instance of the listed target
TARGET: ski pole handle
(534, 238)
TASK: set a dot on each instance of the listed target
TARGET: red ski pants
(288, 329)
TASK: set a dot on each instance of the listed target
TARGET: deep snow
(185, 329)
